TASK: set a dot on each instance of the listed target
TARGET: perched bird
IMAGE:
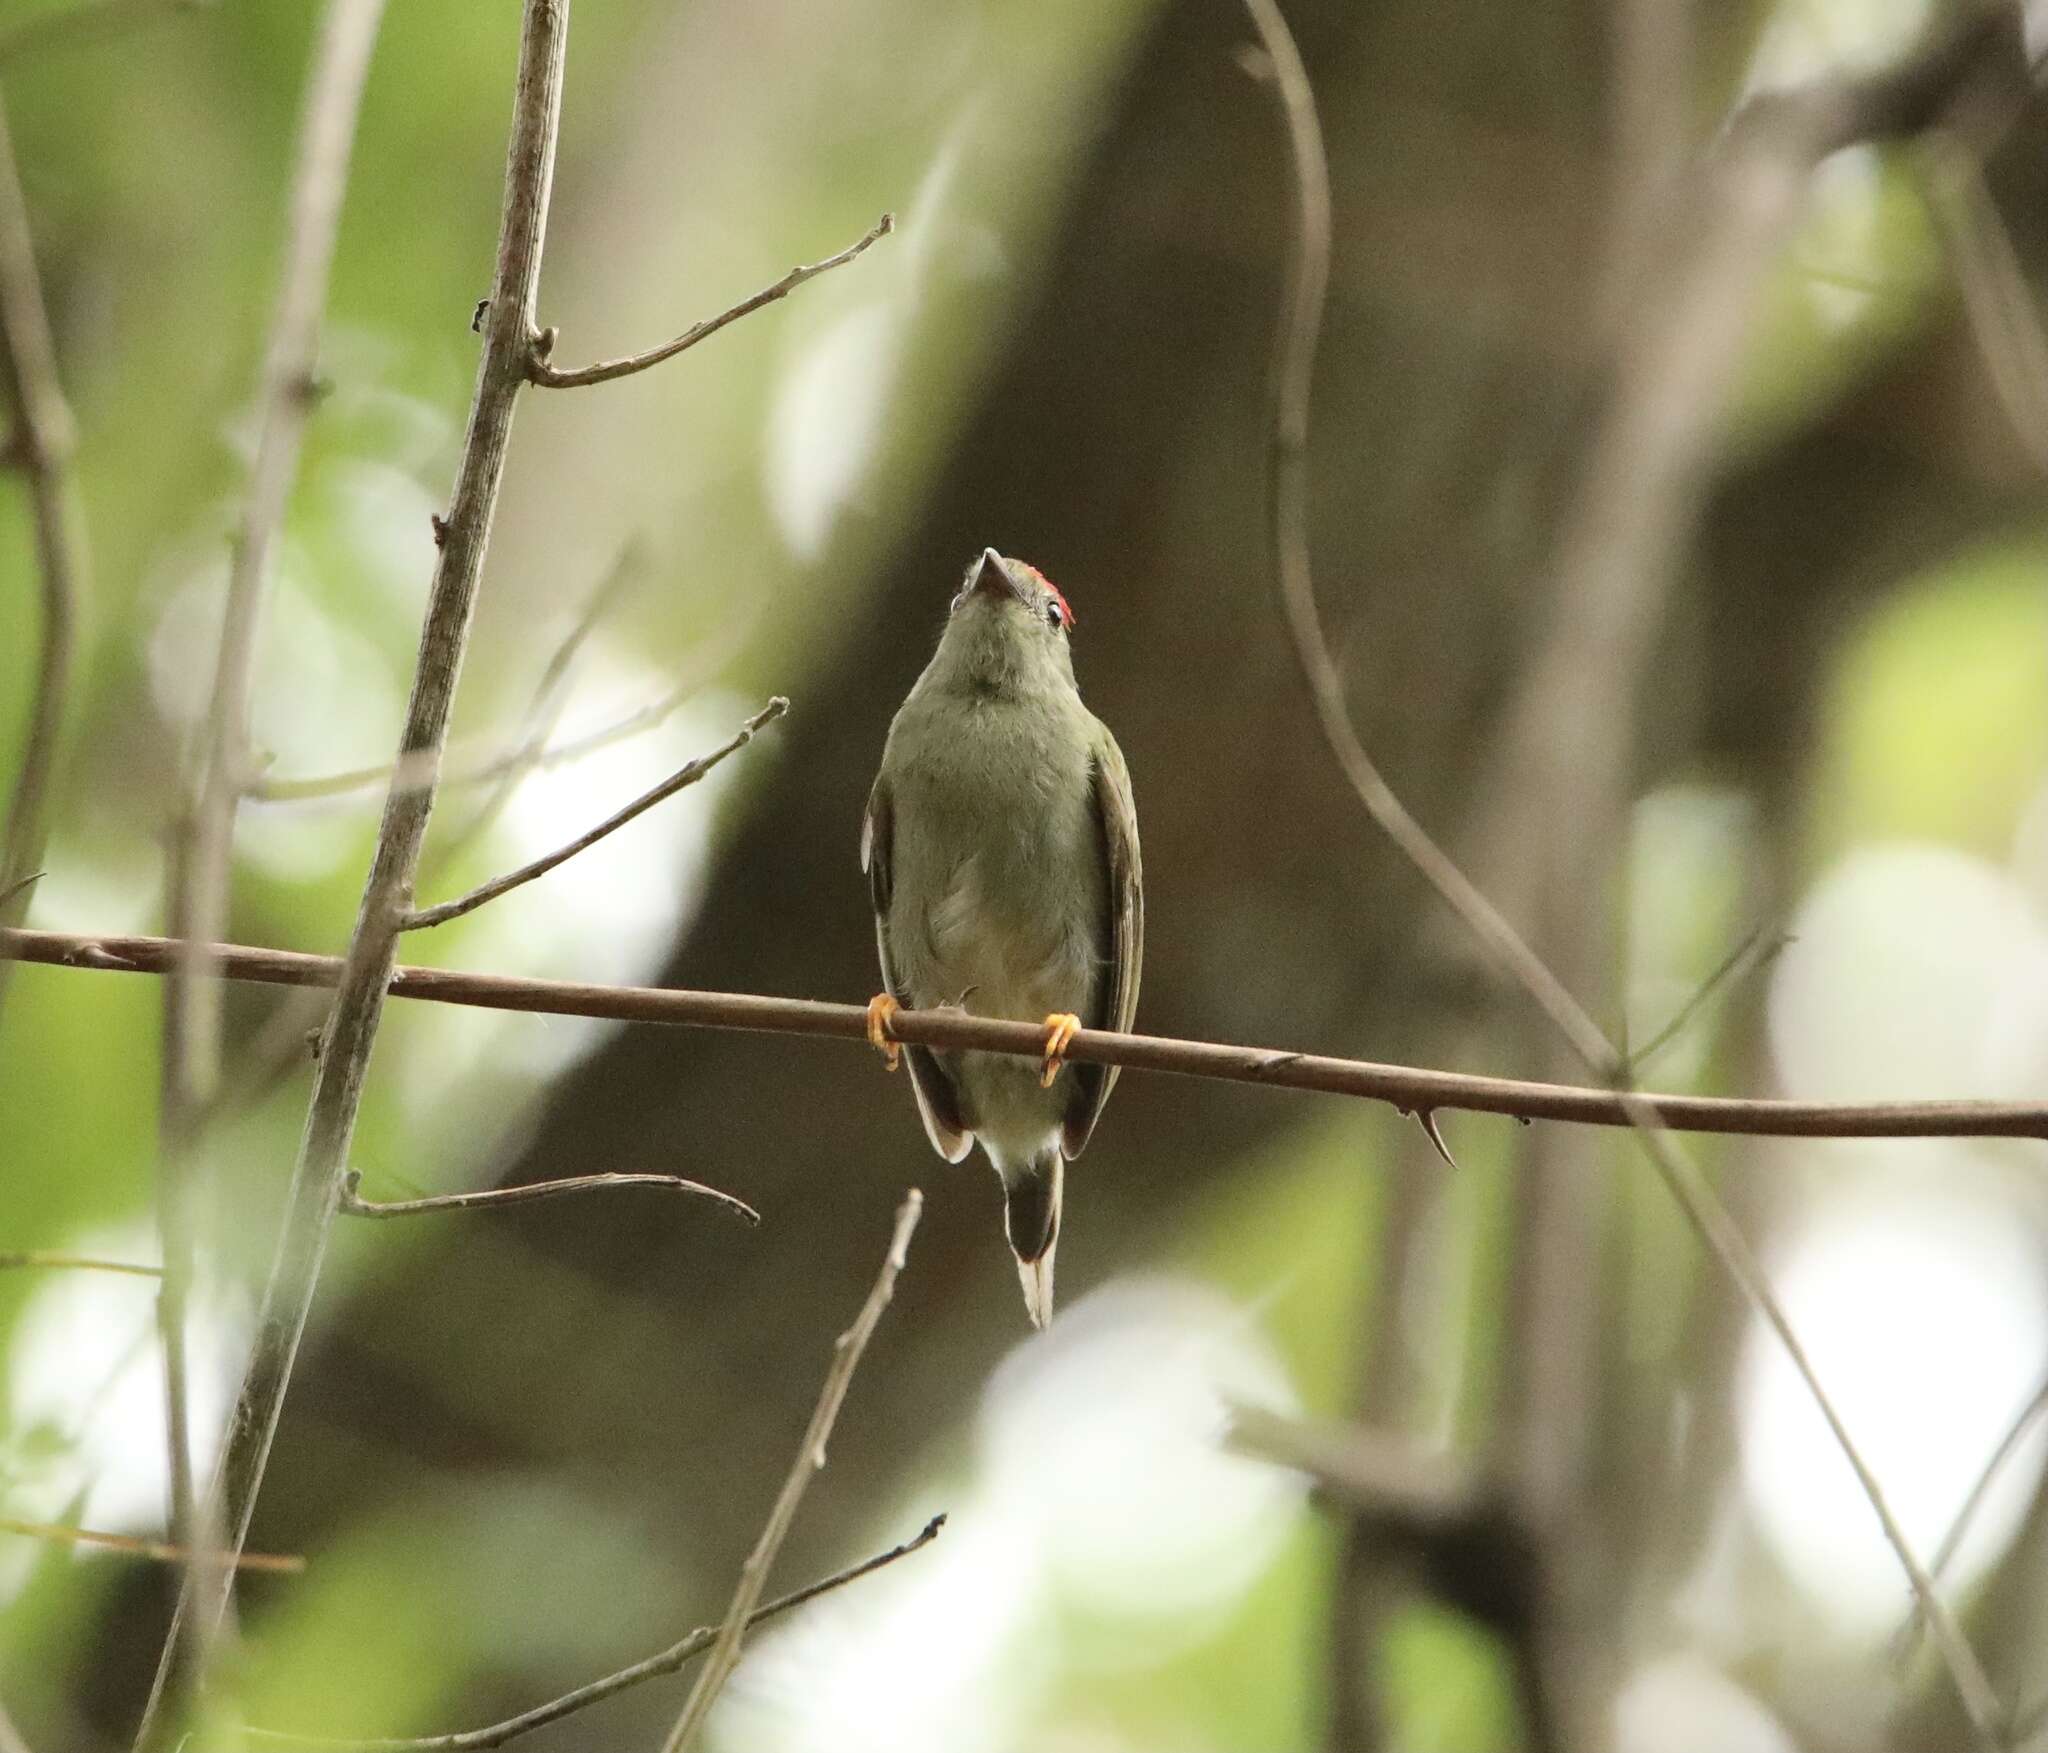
(1001, 847)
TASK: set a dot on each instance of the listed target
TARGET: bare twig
(92, 21)
(163, 1551)
(474, 767)
(687, 775)
(40, 445)
(1951, 1542)
(544, 708)
(1757, 949)
(281, 1043)
(38, 1259)
(549, 377)
(670, 1661)
(1400, 1086)
(725, 1651)
(340, 65)
(1789, 137)
(201, 860)
(491, 1198)
(352, 1026)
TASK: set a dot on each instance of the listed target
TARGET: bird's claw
(881, 1008)
(1060, 1029)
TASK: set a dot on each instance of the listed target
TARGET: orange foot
(881, 1008)
(1060, 1028)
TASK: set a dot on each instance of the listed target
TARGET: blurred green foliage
(157, 170)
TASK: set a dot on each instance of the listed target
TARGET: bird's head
(1007, 631)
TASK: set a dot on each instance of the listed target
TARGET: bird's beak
(991, 577)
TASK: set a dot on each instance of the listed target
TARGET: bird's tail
(1031, 1218)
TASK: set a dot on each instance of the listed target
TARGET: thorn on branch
(21, 886)
(476, 317)
(440, 524)
(1788, 136)
(1426, 1119)
(1405, 1087)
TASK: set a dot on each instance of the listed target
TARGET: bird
(1000, 843)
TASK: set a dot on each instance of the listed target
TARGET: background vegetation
(529, 1447)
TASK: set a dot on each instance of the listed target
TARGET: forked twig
(549, 377)
(477, 767)
(201, 859)
(1901, 99)
(312, 1199)
(687, 775)
(725, 1650)
(669, 1661)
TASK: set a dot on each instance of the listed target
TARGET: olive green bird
(1001, 847)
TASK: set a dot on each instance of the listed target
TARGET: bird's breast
(999, 888)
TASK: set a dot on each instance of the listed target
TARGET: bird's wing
(1122, 943)
(938, 1098)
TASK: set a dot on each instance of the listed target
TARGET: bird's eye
(1055, 614)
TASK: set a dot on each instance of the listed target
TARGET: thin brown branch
(549, 377)
(687, 775)
(490, 1198)
(1400, 1086)
(282, 1042)
(202, 851)
(810, 1459)
(365, 977)
(162, 1551)
(42, 1259)
(1772, 160)
(92, 21)
(669, 1661)
(339, 69)
(476, 767)
(39, 445)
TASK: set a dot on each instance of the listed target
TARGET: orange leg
(881, 1008)
(1060, 1028)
